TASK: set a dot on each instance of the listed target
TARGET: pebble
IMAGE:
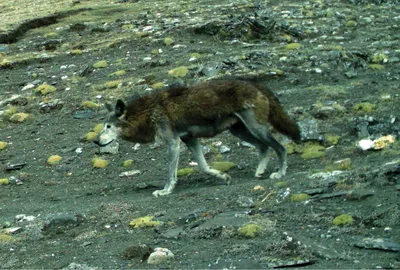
(160, 255)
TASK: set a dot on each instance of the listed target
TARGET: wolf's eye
(108, 126)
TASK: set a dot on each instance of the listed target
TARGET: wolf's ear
(119, 108)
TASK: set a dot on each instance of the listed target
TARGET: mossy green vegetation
(195, 55)
(3, 145)
(293, 46)
(50, 35)
(5, 238)
(76, 52)
(45, 89)
(350, 23)
(178, 72)
(379, 58)
(4, 181)
(312, 150)
(342, 220)
(281, 184)
(250, 230)
(364, 107)
(100, 64)
(144, 222)
(127, 163)
(158, 85)
(113, 84)
(99, 163)
(186, 171)
(222, 166)
(87, 104)
(331, 139)
(90, 136)
(376, 66)
(117, 73)
(54, 159)
(299, 197)
(168, 41)
(19, 117)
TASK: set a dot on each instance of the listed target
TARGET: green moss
(178, 72)
(100, 64)
(97, 128)
(117, 73)
(4, 181)
(293, 46)
(45, 89)
(186, 171)
(127, 163)
(19, 117)
(195, 55)
(350, 23)
(312, 150)
(50, 35)
(379, 58)
(331, 139)
(144, 222)
(342, 220)
(99, 163)
(364, 107)
(155, 52)
(3, 145)
(54, 159)
(87, 104)
(299, 197)
(113, 84)
(90, 136)
(281, 184)
(5, 238)
(223, 166)
(127, 26)
(376, 67)
(250, 230)
(157, 85)
(77, 52)
(168, 41)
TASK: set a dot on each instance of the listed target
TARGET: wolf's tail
(278, 117)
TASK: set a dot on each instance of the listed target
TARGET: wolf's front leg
(173, 159)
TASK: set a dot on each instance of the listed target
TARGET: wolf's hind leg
(194, 146)
(262, 134)
(173, 159)
(240, 131)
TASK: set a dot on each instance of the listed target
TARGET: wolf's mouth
(104, 144)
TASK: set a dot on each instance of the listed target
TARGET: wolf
(187, 113)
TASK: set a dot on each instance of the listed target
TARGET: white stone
(160, 255)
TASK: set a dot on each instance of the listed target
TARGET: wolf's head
(113, 124)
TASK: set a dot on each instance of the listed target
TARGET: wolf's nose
(96, 141)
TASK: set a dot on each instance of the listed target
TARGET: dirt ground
(334, 66)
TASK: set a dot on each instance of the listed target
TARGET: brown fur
(201, 104)
(185, 113)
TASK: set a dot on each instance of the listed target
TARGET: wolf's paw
(161, 192)
(259, 175)
(276, 175)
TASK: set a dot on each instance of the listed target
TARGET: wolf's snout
(96, 141)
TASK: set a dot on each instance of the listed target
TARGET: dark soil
(344, 78)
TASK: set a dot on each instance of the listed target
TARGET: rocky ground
(334, 66)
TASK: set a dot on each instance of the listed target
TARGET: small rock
(160, 255)
(129, 173)
(310, 130)
(224, 149)
(245, 202)
(84, 114)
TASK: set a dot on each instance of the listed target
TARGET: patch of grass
(342, 220)
(54, 159)
(186, 171)
(250, 230)
(99, 163)
(223, 166)
(364, 107)
(178, 72)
